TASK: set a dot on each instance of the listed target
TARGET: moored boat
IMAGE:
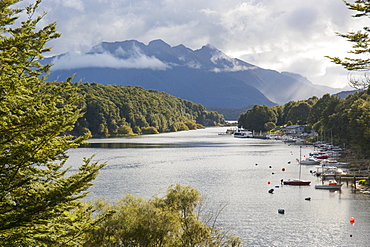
(296, 182)
(242, 134)
(332, 185)
(309, 161)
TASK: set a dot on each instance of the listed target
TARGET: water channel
(236, 173)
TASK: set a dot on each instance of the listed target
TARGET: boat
(290, 140)
(297, 181)
(242, 134)
(329, 171)
(322, 156)
(332, 162)
(332, 185)
(309, 161)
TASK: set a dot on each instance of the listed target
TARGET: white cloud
(105, 60)
(232, 65)
(75, 4)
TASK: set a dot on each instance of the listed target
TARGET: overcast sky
(284, 35)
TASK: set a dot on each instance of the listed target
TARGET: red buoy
(268, 182)
(352, 220)
(283, 169)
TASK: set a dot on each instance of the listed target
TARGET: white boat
(332, 185)
(332, 162)
(310, 161)
(243, 134)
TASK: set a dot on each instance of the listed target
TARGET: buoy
(271, 191)
(270, 166)
(268, 182)
(288, 162)
(283, 169)
(281, 211)
(256, 164)
(352, 220)
(273, 173)
(350, 236)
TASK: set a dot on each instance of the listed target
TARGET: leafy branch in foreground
(360, 47)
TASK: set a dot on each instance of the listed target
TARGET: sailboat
(298, 181)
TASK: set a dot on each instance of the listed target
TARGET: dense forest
(123, 110)
(345, 121)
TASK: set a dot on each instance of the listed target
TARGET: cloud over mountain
(133, 59)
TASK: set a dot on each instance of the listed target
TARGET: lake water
(236, 173)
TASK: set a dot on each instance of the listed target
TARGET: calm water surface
(236, 173)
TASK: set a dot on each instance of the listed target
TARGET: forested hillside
(120, 110)
(345, 121)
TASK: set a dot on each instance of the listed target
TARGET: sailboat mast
(300, 159)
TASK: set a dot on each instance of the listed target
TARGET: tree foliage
(360, 49)
(39, 204)
(110, 107)
(299, 113)
(168, 221)
(256, 117)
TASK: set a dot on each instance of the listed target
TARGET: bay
(233, 174)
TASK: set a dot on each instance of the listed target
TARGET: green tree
(359, 124)
(360, 48)
(317, 110)
(270, 126)
(149, 130)
(349, 123)
(169, 221)
(287, 107)
(279, 112)
(255, 118)
(39, 204)
(125, 130)
(299, 113)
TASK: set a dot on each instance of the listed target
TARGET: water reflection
(131, 145)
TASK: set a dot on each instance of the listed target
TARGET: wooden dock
(344, 177)
(347, 177)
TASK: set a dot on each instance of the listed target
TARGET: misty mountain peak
(158, 44)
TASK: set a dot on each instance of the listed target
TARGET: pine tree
(361, 46)
(39, 198)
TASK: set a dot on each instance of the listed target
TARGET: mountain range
(206, 76)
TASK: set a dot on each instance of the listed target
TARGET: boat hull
(328, 187)
(309, 162)
(296, 182)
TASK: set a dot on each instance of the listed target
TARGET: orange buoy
(352, 220)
